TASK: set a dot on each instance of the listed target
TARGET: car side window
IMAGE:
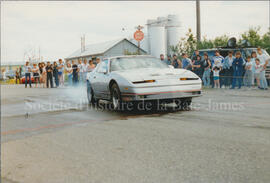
(103, 66)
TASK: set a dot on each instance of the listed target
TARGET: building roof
(98, 48)
(11, 63)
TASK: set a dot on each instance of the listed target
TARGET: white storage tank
(157, 38)
(173, 29)
(149, 33)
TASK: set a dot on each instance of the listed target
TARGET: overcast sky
(56, 27)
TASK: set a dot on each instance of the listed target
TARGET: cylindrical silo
(157, 37)
(173, 29)
(149, 32)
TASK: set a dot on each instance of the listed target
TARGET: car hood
(154, 74)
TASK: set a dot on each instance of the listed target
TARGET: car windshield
(136, 63)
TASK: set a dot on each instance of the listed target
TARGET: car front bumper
(163, 93)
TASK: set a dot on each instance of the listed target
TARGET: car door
(94, 81)
(101, 78)
(104, 80)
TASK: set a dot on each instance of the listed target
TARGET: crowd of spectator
(216, 72)
(229, 72)
(47, 74)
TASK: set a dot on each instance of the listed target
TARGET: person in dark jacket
(237, 70)
(75, 72)
(55, 74)
(49, 71)
(196, 66)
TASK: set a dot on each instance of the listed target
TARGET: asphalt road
(53, 135)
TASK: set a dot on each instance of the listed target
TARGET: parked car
(141, 78)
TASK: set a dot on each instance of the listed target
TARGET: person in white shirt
(61, 74)
(258, 70)
(216, 71)
(35, 71)
(253, 61)
(264, 60)
(27, 71)
(69, 73)
(217, 60)
(248, 73)
(84, 68)
(80, 67)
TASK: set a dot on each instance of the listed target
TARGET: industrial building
(162, 33)
(106, 49)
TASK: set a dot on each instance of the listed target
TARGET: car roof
(227, 48)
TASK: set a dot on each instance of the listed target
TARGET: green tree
(205, 43)
(189, 43)
(252, 36)
(221, 41)
(266, 41)
(186, 44)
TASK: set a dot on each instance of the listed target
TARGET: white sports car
(133, 79)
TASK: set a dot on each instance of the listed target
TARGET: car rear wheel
(115, 97)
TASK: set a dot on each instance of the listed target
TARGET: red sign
(138, 35)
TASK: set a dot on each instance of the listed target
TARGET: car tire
(116, 98)
(90, 94)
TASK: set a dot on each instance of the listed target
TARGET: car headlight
(145, 81)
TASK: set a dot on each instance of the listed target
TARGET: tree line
(189, 43)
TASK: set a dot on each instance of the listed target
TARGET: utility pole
(198, 20)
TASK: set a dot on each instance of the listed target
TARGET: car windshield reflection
(136, 63)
